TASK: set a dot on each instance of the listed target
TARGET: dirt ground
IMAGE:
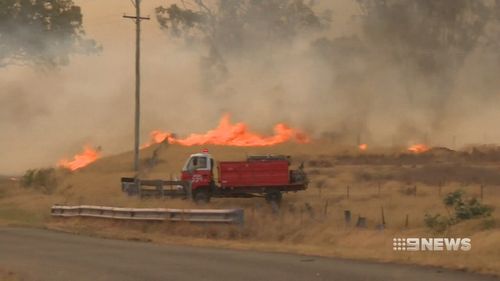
(8, 275)
(392, 189)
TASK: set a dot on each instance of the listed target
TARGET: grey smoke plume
(336, 82)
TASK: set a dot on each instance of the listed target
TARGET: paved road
(47, 255)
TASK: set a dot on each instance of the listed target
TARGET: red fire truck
(266, 176)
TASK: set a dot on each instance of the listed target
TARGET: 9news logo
(431, 244)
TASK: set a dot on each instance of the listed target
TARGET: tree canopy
(432, 36)
(239, 27)
(232, 22)
(42, 32)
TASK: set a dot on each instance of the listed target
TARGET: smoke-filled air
(352, 72)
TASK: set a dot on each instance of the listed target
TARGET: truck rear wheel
(274, 196)
(201, 197)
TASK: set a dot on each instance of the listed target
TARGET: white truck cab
(199, 162)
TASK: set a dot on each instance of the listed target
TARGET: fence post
(309, 210)
(361, 222)
(325, 210)
(383, 216)
(347, 216)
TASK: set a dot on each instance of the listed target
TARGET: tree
(238, 27)
(43, 32)
(431, 38)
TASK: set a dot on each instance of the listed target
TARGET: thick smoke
(335, 83)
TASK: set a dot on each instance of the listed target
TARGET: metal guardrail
(231, 216)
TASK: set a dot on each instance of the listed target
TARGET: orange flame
(418, 148)
(363, 147)
(81, 160)
(233, 135)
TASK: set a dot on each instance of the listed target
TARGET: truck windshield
(197, 162)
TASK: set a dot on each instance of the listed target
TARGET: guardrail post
(240, 216)
(139, 189)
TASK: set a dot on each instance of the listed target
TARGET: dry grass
(309, 222)
(8, 275)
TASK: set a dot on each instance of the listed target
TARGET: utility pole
(138, 20)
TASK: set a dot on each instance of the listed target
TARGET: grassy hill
(309, 222)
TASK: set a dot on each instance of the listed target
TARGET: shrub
(43, 180)
(453, 198)
(437, 222)
(464, 209)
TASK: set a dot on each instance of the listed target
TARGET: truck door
(198, 170)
